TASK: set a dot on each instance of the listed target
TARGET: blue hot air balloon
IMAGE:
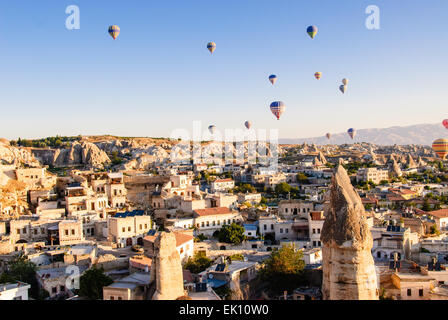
(212, 129)
(211, 46)
(312, 31)
(351, 132)
(273, 78)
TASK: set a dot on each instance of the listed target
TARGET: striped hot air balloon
(318, 75)
(312, 31)
(114, 31)
(211, 46)
(440, 146)
(445, 123)
(248, 124)
(277, 108)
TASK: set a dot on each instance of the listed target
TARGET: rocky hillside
(423, 134)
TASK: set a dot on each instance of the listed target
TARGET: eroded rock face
(348, 267)
(166, 269)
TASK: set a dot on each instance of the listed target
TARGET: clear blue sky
(158, 75)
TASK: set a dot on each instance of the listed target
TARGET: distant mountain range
(423, 134)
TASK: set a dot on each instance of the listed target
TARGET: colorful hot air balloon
(342, 88)
(211, 46)
(445, 123)
(351, 132)
(212, 129)
(328, 135)
(312, 31)
(114, 31)
(273, 78)
(277, 108)
(345, 81)
(248, 124)
(318, 75)
(440, 146)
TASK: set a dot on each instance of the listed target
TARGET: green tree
(23, 270)
(198, 263)
(282, 188)
(302, 178)
(426, 206)
(92, 283)
(283, 270)
(231, 234)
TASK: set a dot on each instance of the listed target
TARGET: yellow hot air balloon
(440, 146)
(345, 81)
(318, 75)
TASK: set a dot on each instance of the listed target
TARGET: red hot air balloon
(445, 123)
(328, 135)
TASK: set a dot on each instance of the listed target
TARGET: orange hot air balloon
(440, 146)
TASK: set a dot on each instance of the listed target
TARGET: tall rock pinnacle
(166, 269)
(348, 268)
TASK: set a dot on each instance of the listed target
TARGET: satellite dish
(210, 276)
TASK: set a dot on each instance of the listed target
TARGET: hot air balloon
(342, 88)
(211, 46)
(273, 78)
(440, 146)
(345, 81)
(328, 135)
(312, 31)
(351, 132)
(248, 124)
(445, 123)
(318, 75)
(212, 129)
(114, 31)
(277, 108)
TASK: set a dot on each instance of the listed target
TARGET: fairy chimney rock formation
(166, 269)
(348, 267)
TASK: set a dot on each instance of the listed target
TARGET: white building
(14, 291)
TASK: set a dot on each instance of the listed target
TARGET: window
(119, 298)
(420, 292)
(62, 288)
(141, 227)
(112, 298)
(281, 230)
(314, 231)
(54, 289)
(129, 228)
(146, 226)
(123, 229)
(272, 227)
(286, 230)
(73, 232)
(264, 227)
(409, 292)
(66, 232)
